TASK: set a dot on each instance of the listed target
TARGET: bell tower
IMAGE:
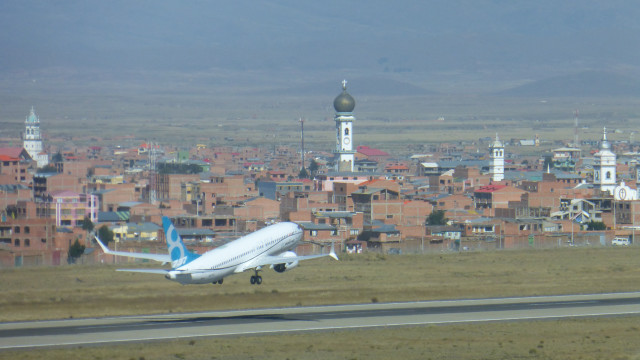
(604, 168)
(32, 142)
(496, 160)
(344, 153)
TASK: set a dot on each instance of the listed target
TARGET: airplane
(272, 246)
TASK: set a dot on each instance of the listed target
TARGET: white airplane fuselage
(238, 255)
(271, 246)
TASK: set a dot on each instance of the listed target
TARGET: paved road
(251, 322)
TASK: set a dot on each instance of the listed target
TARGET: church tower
(32, 142)
(496, 160)
(344, 153)
(604, 168)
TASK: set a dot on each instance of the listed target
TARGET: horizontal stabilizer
(149, 271)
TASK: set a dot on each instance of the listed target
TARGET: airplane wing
(274, 260)
(156, 257)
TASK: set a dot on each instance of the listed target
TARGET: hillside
(582, 84)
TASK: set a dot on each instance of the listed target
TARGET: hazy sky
(500, 37)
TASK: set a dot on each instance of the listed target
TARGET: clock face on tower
(346, 140)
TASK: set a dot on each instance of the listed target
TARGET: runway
(270, 321)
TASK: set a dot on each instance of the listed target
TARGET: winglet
(104, 248)
(332, 253)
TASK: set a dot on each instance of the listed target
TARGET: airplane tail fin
(179, 253)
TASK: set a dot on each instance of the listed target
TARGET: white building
(32, 142)
(344, 153)
(604, 168)
(496, 160)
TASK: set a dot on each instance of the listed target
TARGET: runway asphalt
(142, 328)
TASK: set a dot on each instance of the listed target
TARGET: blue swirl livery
(179, 253)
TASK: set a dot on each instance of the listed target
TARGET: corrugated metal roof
(196, 232)
(113, 216)
(307, 225)
(335, 214)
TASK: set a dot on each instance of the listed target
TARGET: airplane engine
(286, 266)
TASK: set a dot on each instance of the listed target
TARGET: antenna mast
(575, 129)
(302, 139)
(152, 173)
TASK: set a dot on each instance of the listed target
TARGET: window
(16, 242)
(26, 230)
(27, 242)
(346, 131)
(16, 229)
(608, 175)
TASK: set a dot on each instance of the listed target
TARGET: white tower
(32, 140)
(344, 153)
(496, 160)
(604, 168)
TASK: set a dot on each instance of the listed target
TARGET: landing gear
(256, 279)
(218, 282)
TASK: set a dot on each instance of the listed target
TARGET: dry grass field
(81, 291)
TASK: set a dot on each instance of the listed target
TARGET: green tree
(437, 218)
(547, 163)
(47, 169)
(75, 251)
(87, 225)
(596, 225)
(105, 234)
(313, 167)
(57, 158)
(303, 174)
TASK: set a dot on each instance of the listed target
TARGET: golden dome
(344, 102)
